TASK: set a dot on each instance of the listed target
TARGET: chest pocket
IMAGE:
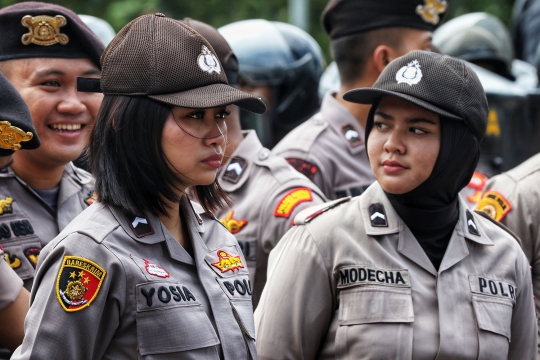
(494, 318)
(171, 323)
(375, 322)
(21, 245)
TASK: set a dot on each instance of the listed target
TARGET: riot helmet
(284, 58)
(480, 38)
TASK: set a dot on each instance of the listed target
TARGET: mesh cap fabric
(168, 61)
(444, 85)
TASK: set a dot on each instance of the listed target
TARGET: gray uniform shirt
(114, 286)
(513, 198)
(353, 283)
(27, 223)
(267, 194)
(10, 284)
(329, 149)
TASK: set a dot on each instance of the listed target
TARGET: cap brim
(370, 95)
(213, 95)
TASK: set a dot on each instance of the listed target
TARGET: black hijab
(431, 209)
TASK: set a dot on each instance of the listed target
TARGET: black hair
(351, 53)
(127, 159)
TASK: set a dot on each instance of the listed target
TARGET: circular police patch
(494, 204)
(78, 282)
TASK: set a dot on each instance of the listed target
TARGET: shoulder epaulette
(502, 226)
(312, 212)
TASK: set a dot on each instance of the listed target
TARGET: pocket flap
(243, 311)
(174, 329)
(493, 315)
(366, 304)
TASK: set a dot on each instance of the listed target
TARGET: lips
(392, 166)
(213, 161)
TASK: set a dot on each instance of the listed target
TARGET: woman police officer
(144, 273)
(405, 271)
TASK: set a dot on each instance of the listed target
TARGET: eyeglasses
(199, 126)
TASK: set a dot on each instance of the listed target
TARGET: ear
(381, 57)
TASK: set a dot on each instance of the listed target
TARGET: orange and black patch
(78, 282)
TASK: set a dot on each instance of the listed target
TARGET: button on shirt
(121, 287)
(329, 149)
(27, 222)
(267, 194)
(513, 198)
(355, 284)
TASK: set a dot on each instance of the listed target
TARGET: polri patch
(235, 169)
(351, 275)
(238, 288)
(494, 204)
(233, 225)
(351, 135)
(78, 282)
(477, 183)
(291, 200)
(227, 262)
(5, 206)
(13, 261)
(471, 224)
(91, 198)
(483, 285)
(32, 254)
(377, 215)
(304, 167)
(155, 270)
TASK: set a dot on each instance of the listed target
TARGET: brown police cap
(166, 60)
(348, 17)
(35, 29)
(221, 46)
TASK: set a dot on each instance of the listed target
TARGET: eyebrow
(50, 72)
(408, 121)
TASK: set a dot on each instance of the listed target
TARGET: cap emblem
(208, 62)
(410, 74)
(44, 30)
(431, 9)
(11, 136)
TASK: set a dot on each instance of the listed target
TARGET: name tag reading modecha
(348, 276)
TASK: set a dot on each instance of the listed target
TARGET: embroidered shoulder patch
(156, 270)
(303, 167)
(32, 254)
(292, 200)
(91, 198)
(494, 204)
(5, 206)
(351, 135)
(227, 262)
(233, 225)
(78, 282)
(477, 183)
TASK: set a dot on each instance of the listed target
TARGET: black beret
(16, 126)
(348, 17)
(35, 29)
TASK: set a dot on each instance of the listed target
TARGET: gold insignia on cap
(11, 136)
(44, 30)
(431, 9)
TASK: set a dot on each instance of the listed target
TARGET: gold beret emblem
(431, 9)
(11, 136)
(44, 30)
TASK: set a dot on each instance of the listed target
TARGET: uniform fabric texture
(83, 43)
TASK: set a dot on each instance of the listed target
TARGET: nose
(216, 132)
(395, 143)
(71, 103)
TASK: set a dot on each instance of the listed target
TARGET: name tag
(157, 295)
(485, 286)
(363, 275)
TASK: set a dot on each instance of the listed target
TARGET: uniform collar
(343, 122)
(234, 173)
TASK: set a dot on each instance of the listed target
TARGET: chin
(394, 186)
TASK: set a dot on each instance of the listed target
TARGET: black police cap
(35, 29)
(16, 127)
(348, 17)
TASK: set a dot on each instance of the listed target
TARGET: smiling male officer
(365, 37)
(43, 48)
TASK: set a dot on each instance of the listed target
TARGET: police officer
(144, 273)
(267, 192)
(513, 199)
(282, 64)
(406, 270)
(18, 132)
(43, 48)
(365, 37)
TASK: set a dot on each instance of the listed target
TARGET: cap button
(263, 155)
(160, 14)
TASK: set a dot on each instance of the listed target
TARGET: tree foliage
(222, 12)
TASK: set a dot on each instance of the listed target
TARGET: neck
(176, 224)
(39, 176)
(359, 111)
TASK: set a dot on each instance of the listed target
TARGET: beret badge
(44, 30)
(431, 9)
(11, 136)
